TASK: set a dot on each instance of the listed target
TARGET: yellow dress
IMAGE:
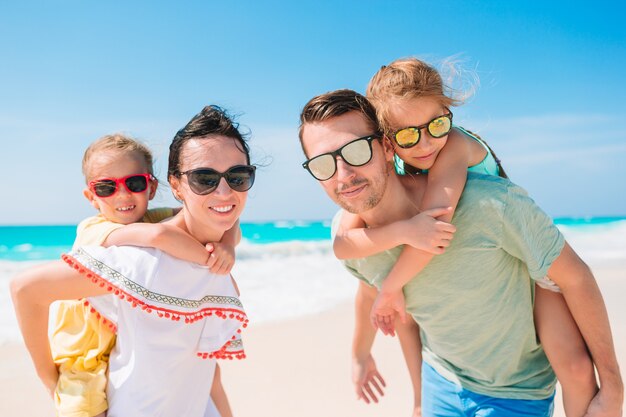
(80, 342)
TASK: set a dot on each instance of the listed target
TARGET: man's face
(355, 189)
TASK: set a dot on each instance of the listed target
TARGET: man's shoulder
(487, 197)
(490, 187)
(481, 182)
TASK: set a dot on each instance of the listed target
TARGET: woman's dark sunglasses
(408, 137)
(106, 187)
(204, 181)
(355, 153)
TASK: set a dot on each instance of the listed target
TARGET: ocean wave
(598, 242)
(249, 250)
(295, 278)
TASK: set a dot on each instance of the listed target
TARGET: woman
(173, 318)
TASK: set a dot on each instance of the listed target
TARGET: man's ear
(90, 196)
(389, 149)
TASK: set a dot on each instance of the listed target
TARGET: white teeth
(127, 208)
(222, 209)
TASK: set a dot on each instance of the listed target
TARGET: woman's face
(208, 216)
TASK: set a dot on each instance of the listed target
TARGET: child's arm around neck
(174, 241)
(446, 180)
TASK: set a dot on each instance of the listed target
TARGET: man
(473, 303)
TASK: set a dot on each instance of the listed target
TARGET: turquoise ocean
(29, 243)
(284, 269)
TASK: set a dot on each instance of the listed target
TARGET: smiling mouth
(126, 208)
(223, 209)
(353, 191)
(423, 158)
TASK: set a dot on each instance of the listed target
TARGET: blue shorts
(442, 398)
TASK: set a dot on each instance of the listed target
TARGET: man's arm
(411, 344)
(585, 302)
(364, 373)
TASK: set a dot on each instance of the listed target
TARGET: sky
(550, 99)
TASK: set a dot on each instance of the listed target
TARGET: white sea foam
(602, 243)
(290, 279)
(277, 281)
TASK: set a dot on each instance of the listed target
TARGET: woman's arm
(32, 292)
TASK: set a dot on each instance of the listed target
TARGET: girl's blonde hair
(408, 78)
(116, 142)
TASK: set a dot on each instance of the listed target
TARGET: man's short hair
(335, 103)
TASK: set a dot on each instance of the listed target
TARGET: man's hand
(221, 258)
(367, 381)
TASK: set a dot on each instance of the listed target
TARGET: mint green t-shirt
(474, 304)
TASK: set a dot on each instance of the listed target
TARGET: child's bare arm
(354, 240)
(222, 257)
(166, 237)
(447, 177)
(446, 180)
(232, 236)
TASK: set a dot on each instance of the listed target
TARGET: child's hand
(221, 258)
(384, 310)
(424, 232)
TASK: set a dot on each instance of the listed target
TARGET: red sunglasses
(106, 187)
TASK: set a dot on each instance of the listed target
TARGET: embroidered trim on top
(190, 317)
(116, 278)
(225, 352)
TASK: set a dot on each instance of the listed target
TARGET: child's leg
(409, 337)
(218, 395)
(566, 351)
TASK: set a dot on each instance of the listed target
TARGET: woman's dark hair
(212, 120)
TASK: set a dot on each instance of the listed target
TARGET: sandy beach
(299, 367)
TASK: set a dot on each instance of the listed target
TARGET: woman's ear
(175, 186)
